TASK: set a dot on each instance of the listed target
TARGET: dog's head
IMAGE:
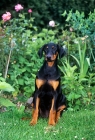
(51, 51)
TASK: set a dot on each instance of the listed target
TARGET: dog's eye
(52, 47)
(46, 49)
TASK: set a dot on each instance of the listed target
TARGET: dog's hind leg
(60, 109)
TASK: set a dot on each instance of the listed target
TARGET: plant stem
(8, 61)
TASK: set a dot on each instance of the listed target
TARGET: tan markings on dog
(52, 114)
(39, 83)
(35, 113)
(59, 111)
(50, 64)
(54, 56)
(54, 84)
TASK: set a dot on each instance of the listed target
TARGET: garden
(22, 33)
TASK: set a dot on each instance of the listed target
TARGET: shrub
(75, 79)
(20, 44)
(48, 10)
(83, 27)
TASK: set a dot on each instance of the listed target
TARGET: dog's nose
(48, 57)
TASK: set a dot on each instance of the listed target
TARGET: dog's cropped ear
(40, 51)
(62, 51)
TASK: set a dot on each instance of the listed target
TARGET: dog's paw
(51, 122)
(33, 122)
(52, 116)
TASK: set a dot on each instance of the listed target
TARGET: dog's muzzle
(49, 58)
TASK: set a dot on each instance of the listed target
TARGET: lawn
(78, 125)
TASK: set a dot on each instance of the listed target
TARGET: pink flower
(52, 23)
(6, 16)
(18, 7)
(30, 11)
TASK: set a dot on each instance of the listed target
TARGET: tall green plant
(71, 86)
(75, 78)
(83, 61)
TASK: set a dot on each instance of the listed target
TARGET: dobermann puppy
(48, 100)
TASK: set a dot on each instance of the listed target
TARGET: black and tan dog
(48, 100)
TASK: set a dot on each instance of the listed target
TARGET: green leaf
(75, 59)
(50, 32)
(76, 96)
(69, 16)
(34, 76)
(6, 102)
(21, 81)
(41, 34)
(45, 30)
(64, 14)
(6, 87)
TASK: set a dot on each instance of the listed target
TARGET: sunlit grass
(72, 126)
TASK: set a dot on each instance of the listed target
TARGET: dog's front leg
(52, 114)
(35, 112)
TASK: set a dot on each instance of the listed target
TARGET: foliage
(25, 63)
(83, 27)
(6, 102)
(48, 10)
(21, 43)
(75, 79)
(83, 62)
(14, 36)
(16, 46)
(5, 86)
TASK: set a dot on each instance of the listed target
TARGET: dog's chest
(48, 73)
(48, 76)
(54, 84)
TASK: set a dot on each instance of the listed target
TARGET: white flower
(52, 23)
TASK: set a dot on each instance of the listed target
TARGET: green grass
(72, 126)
